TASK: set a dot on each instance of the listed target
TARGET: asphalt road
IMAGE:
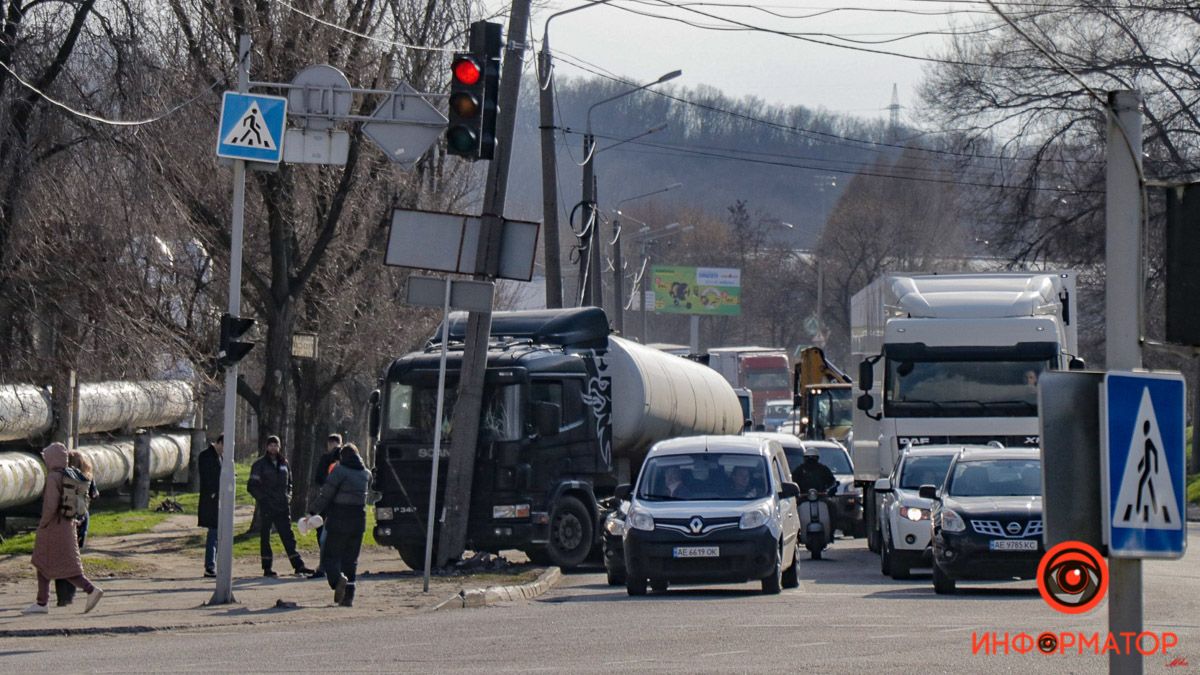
(845, 617)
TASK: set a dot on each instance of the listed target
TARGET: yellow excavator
(822, 402)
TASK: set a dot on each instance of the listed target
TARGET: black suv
(987, 517)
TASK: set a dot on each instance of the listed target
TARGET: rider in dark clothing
(812, 474)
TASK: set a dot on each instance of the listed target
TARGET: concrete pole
(618, 279)
(589, 260)
(141, 470)
(597, 264)
(223, 594)
(1122, 324)
(549, 180)
(694, 330)
(647, 284)
(460, 469)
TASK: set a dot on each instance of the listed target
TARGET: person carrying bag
(343, 500)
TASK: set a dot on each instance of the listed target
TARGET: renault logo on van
(696, 525)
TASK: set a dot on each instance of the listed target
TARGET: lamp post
(618, 264)
(591, 280)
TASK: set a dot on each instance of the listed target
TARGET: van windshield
(704, 476)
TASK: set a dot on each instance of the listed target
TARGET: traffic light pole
(461, 464)
(223, 594)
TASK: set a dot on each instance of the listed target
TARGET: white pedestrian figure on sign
(1148, 466)
(250, 122)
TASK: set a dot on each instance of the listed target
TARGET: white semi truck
(953, 358)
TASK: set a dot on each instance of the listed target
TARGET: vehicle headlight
(754, 518)
(510, 511)
(614, 526)
(640, 520)
(915, 513)
(952, 522)
(384, 513)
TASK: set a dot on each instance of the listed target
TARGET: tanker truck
(569, 413)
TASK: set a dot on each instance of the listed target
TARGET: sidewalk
(165, 590)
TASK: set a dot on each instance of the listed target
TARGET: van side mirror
(928, 492)
(1076, 363)
(547, 418)
(866, 402)
(789, 490)
(866, 375)
(623, 492)
(374, 414)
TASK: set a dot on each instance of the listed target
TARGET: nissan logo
(1014, 528)
(696, 525)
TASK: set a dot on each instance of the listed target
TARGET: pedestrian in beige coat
(56, 546)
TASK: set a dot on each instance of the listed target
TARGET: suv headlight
(952, 522)
(614, 526)
(754, 518)
(915, 513)
(640, 520)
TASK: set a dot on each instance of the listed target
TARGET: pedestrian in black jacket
(344, 499)
(209, 466)
(270, 484)
(325, 464)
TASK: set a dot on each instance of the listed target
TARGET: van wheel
(773, 582)
(791, 576)
(570, 533)
(635, 586)
(942, 584)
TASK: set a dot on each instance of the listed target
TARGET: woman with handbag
(343, 500)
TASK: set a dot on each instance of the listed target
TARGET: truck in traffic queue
(762, 370)
(822, 399)
(953, 358)
(569, 413)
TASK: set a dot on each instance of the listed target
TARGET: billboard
(710, 291)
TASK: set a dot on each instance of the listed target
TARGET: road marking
(739, 651)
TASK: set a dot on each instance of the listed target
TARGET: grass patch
(103, 566)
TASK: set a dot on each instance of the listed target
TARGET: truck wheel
(413, 555)
(570, 533)
(942, 584)
(635, 586)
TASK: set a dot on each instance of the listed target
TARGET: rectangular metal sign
(251, 127)
(466, 295)
(1143, 456)
(1069, 418)
(713, 291)
(447, 242)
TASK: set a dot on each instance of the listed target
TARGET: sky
(775, 68)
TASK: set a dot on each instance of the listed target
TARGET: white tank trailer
(117, 407)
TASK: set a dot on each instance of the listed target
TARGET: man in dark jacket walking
(325, 464)
(344, 498)
(271, 486)
(210, 486)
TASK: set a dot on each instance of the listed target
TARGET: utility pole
(1123, 326)
(461, 466)
(618, 277)
(549, 179)
(589, 259)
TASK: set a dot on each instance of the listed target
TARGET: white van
(712, 509)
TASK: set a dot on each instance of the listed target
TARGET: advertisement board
(709, 291)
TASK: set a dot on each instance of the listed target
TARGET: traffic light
(474, 94)
(232, 348)
(466, 106)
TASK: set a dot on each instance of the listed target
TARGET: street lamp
(592, 289)
(618, 264)
(550, 163)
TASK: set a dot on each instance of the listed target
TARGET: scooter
(815, 525)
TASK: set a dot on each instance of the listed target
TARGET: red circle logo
(1072, 577)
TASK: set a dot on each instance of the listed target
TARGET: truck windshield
(962, 388)
(832, 408)
(767, 380)
(411, 411)
(704, 476)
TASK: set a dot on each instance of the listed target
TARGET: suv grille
(994, 528)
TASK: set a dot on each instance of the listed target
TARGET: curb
(492, 595)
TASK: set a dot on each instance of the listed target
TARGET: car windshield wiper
(664, 498)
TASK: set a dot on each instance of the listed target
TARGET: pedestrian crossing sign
(252, 127)
(1143, 457)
